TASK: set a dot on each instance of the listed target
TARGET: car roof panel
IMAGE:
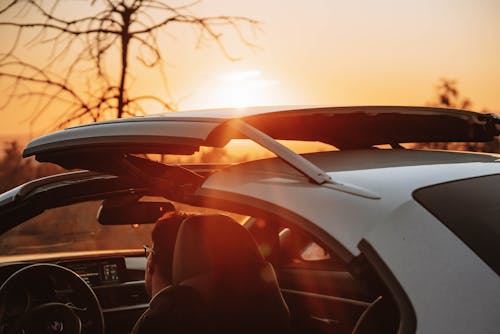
(344, 127)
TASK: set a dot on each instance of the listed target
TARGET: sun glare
(240, 89)
(244, 88)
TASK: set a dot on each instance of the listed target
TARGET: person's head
(159, 264)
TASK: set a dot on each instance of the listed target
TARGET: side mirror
(128, 211)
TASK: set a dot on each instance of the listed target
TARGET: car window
(314, 252)
(71, 228)
(298, 249)
(74, 228)
(470, 208)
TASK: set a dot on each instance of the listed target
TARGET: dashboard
(117, 281)
(98, 272)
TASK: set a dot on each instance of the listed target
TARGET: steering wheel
(50, 314)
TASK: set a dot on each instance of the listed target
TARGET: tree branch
(82, 78)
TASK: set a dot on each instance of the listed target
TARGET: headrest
(213, 243)
(219, 259)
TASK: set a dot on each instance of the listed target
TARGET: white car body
(356, 202)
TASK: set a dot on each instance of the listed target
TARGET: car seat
(219, 259)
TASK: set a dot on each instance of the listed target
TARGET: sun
(240, 89)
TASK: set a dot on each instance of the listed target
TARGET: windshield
(74, 228)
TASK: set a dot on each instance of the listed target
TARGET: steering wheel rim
(79, 286)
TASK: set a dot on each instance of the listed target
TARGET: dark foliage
(15, 170)
(449, 96)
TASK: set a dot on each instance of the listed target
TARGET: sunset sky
(326, 52)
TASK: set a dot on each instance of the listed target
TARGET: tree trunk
(125, 39)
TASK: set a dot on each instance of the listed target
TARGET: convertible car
(369, 236)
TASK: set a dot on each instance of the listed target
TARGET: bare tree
(89, 74)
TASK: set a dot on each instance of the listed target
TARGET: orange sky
(330, 52)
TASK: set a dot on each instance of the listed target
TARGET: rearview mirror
(127, 211)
